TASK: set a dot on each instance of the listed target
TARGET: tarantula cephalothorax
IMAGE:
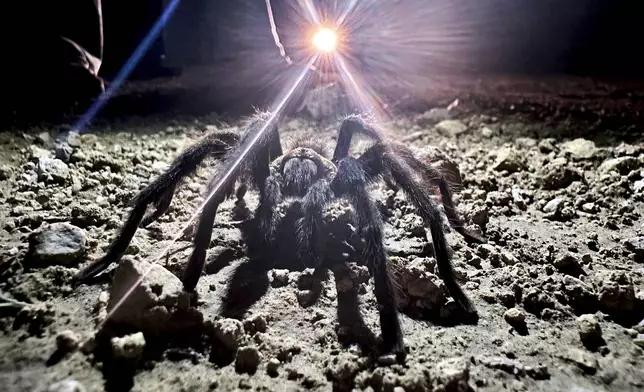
(304, 173)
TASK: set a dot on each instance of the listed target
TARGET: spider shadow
(250, 280)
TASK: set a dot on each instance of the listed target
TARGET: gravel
(556, 286)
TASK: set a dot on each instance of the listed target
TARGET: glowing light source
(325, 40)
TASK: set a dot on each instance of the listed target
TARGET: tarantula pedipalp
(303, 173)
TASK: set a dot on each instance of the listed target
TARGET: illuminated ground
(563, 223)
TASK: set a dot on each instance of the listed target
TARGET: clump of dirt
(559, 285)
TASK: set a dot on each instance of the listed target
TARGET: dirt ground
(559, 286)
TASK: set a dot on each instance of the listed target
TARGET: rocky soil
(559, 285)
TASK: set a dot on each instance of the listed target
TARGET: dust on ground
(559, 285)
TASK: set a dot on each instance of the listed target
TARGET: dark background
(578, 37)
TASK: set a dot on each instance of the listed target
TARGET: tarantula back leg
(351, 183)
(383, 158)
(159, 193)
(430, 176)
(375, 159)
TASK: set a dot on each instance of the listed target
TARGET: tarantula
(305, 174)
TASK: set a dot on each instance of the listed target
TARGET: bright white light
(325, 40)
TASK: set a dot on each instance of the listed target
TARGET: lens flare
(325, 40)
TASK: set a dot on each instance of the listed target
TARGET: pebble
(247, 360)
(272, 367)
(128, 347)
(58, 243)
(68, 385)
(590, 331)
(514, 316)
(586, 361)
(67, 341)
(639, 340)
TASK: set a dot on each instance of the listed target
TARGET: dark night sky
(526, 36)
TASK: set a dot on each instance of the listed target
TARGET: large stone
(509, 160)
(59, 244)
(623, 165)
(580, 148)
(52, 170)
(451, 127)
(155, 306)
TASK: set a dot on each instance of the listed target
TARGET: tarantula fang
(304, 173)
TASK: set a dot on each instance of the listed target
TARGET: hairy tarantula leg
(375, 158)
(161, 206)
(433, 176)
(267, 145)
(269, 199)
(159, 192)
(355, 124)
(310, 241)
(118, 245)
(351, 125)
(201, 243)
(351, 183)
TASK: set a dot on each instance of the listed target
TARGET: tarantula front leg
(310, 240)
(159, 193)
(379, 157)
(267, 146)
(351, 182)
(429, 175)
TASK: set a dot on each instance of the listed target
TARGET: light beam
(127, 68)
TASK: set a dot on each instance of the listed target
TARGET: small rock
(558, 175)
(451, 127)
(580, 148)
(590, 208)
(509, 160)
(5, 172)
(639, 340)
(38, 152)
(157, 305)
(342, 371)
(453, 375)
(272, 367)
(569, 264)
(553, 205)
(638, 186)
(44, 138)
(590, 331)
(547, 145)
(67, 341)
(433, 116)
(387, 360)
(58, 243)
(586, 361)
(229, 332)
(306, 298)
(63, 152)
(636, 245)
(514, 316)
(616, 292)
(68, 385)
(508, 258)
(52, 169)
(280, 277)
(255, 324)
(487, 132)
(247, 360)
(128, 347)
(622, 165)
